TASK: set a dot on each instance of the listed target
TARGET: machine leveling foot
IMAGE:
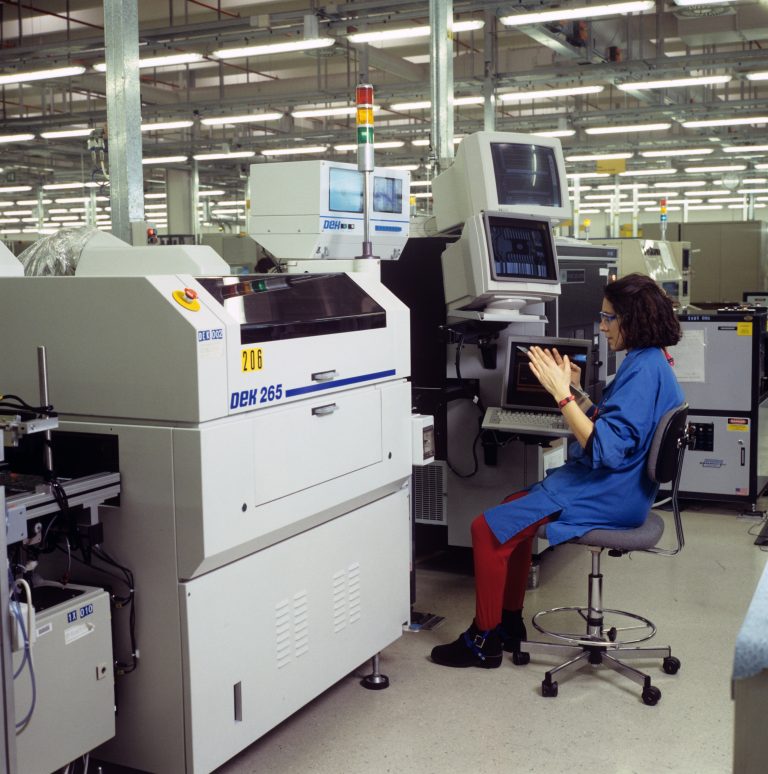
(375, 681)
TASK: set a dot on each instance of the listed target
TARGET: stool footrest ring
(604, 641)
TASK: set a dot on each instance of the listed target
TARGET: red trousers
(501, 569)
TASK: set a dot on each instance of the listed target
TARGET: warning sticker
(738, 424)
(744, 329)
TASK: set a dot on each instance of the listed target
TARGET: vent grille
(428, 493)
(291, 628)
(347, 597)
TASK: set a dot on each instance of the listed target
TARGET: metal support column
(441, 80)
(489, 96)
(126, 177)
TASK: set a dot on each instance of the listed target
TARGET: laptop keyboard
(525, 422)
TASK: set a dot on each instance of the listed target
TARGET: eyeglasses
(607, 318)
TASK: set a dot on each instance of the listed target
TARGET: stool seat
(641, 538)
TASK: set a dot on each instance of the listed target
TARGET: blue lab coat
(604, 485)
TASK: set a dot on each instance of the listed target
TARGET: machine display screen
(526, 174)
(522, 389)
(520, 249)
(387, 194)
(345, 190)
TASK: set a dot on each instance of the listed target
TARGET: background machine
(262, 427)
(721, 366)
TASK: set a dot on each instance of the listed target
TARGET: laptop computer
(525, 406)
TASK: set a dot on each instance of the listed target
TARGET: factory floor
(434, 719)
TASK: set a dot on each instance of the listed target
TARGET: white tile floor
(433, 719)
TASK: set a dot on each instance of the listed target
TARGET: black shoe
(512, 630)
(472, 648)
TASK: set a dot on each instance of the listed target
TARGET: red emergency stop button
(190, 293)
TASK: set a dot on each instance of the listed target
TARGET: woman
(603, 484)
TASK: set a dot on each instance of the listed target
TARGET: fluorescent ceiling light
(600, 156)
(706, 192)
(253, 118)
(459, 101)
(348, 110)
(726, 200)
(274, 48)
(421, 183)
(658, 194)
(717, 168)
(296, 150)
(523, 96)
(674, 83)
(629, 128)
(706, 207)
(66, 133)
(422, 195)
(660, 154)
(376, 145)
(648, 172)
(30, 202)
(420, 143)
(757, 166)
(161, 125)
(736, 120)
(746, 149)
(404, 167)
(580, 175)
(158, 61)
(556, 133)
(621, 186)
(212, 192)
(680, 184)
(588, 12)
(689, 3)
(16, 137)
(155, 196)
(603, 197)
(15, 188)
(165, 160)
(62, 186)
(406, 33)
(423, 105)
(41, 75)
(754, 181)
(758, 76)
(223, 155)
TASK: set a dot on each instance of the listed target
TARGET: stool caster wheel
(612, 634)
(671, 665)
(519, 658)
(548, 690)
(651, 695)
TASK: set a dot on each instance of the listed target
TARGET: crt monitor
(521, 390)
(501, 262)
(502, 172)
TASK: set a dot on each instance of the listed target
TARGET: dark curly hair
(646, 315)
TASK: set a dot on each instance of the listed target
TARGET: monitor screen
(387, 194)
(526, 174)
(345, 190)
(520, 249)
(521, 389)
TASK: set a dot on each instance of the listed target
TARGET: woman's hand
(554, 373)
(575, 370)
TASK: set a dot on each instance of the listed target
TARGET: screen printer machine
(263, 429)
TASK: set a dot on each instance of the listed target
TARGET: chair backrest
(664, 457)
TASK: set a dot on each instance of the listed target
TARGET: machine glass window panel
(526, 174)
(387, 194)
(520, 249)
(345, 190)
(521, 390)
(275, 307)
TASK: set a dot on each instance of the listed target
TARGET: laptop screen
(521, 389)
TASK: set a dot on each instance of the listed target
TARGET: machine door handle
(324, 376)
(743, 456)
(324, 411)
